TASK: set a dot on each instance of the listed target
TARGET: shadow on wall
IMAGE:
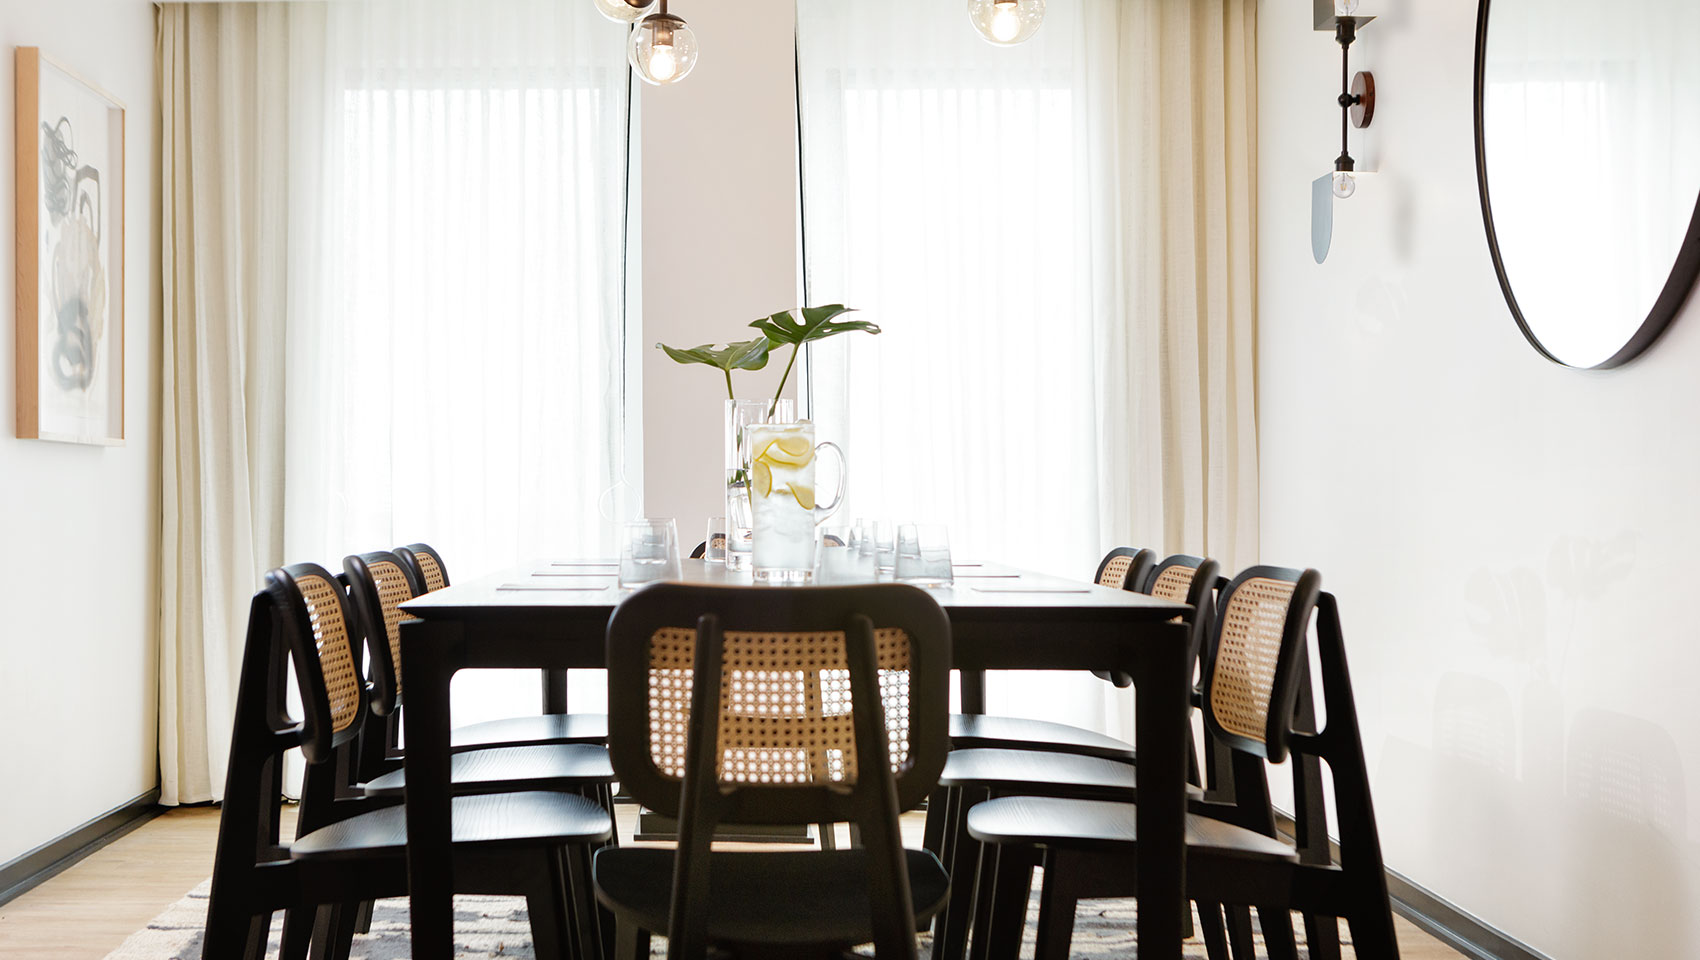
(1596, 806)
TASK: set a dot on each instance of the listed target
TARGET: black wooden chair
(427, 569)
(973, 775)
(776, 706)
(1254, 690)
(378, 583)
(534, 844)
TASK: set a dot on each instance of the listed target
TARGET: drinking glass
(650, 552)
(716, 539)
(740, 519)
(923, 554)
(878, 538)
(839, 558)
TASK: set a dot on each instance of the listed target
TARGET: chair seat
(522, 819)
(977, 731)
(1105, 825)
(553, 766)
(544, 728)
(1042, 773)
(780, 899)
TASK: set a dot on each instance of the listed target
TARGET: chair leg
(586, 919)
(828, 836)
(631, 941)
(363, 919)
(1011, 887)
(951, 931)
(297, 933)
(1057, 902)
(230, 934)
(932, 839)
(1372, 933)
(1215, 934)
(333, 932)
(1240, 939)
(1278, 939)
(546, 904)
(1322, 937)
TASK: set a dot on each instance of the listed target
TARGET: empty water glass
(878, 539)
(650, 552)
(923, 554)
(715, 551)
(839, 557)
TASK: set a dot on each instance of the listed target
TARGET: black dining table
(553, 616)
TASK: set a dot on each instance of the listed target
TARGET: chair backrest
(1257, 657)
(426, 565)
(1124, 568)
(378, 584)
(313, 619)
(784, 748)
(1183, 578)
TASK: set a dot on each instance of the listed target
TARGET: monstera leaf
(810, 324)
(744, 355)
(807, 325)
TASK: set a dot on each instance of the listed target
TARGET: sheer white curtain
(1057, 241)
(457, 359)
(435, 346)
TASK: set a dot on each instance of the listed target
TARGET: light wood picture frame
(70, 255)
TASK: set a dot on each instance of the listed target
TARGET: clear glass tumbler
(923, 554)
(650, 552)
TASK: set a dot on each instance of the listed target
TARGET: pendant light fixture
(1006, 22)
(662, 48)
(623, 11)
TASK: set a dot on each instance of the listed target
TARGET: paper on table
(553, 586)
(1028, 590)
(574, 573)
(584, 563)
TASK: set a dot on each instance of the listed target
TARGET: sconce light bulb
(1344, 184)
(1345, 8)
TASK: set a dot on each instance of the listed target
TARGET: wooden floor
(87, 911)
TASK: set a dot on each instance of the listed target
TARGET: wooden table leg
(428, 664)
(555, 691)
(1161, 677)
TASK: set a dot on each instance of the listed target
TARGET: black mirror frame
(1684, 271)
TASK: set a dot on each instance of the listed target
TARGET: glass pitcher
(740, 415)
(782, 499)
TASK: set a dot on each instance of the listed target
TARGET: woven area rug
(496, 927)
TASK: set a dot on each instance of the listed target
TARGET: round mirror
(1588, 157)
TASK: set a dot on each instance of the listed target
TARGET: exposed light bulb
(1344, 184)
(662, 63)
(1345, 8)
(1006, 22)
(662, 49)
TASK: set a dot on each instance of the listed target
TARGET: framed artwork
(70, 256)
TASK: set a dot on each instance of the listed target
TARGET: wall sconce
(1357, 109)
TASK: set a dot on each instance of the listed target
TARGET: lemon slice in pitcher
(805, 496)
(788, 452)
(763, 475)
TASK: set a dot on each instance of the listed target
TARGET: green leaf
(810, 324)
(744, 355)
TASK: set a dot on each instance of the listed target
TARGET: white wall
(719, 240)
(79, 531)
(1512, 542)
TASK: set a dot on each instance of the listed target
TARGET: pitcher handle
(823, 513)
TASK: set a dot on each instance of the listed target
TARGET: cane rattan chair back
(378, 584)
(1124, 568)
(313, 617)
(1251, 684)
(426, 565)
(785, 748)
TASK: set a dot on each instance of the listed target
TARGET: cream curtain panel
(1059, 241)
(224, 74)
(394, 288)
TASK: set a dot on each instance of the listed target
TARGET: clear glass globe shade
(663, 50)
(620, 11)
(1345, 8)
(1344, 184)
(1006, 22)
